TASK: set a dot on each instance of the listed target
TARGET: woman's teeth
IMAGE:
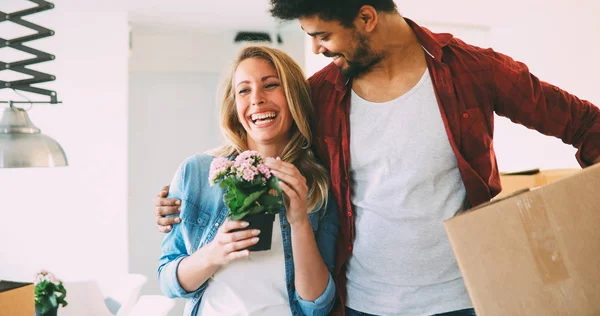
(263, 117)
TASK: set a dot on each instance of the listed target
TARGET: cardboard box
(17, 299)
(528, 179)
(534, 253)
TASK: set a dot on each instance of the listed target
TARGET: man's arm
(536, 104)
(164, 206)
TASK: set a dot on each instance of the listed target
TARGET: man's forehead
(314, 24)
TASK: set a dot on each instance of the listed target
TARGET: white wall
(173, 114)
(177, 50)
(73, 220)
(560, 48)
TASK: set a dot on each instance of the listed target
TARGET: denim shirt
(203, 212)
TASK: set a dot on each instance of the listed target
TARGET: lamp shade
(23, 146)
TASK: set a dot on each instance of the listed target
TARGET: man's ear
(366, 19)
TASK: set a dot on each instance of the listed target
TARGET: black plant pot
(51, 312)
(264, 222)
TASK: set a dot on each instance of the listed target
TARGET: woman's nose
(258, 98)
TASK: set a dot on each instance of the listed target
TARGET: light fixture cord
(24, 97)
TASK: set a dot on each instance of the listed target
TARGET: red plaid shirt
(471, 84)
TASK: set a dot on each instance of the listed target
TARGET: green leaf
(273, 183)
(256, 209)
(53, 301)
(238, 216)
(227, 182)
(44, 305)
(234, 199)
(251, 199)
(268, 199)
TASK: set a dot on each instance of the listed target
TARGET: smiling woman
(262, 107)
(266, 108)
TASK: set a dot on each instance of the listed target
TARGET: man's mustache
(329, 54)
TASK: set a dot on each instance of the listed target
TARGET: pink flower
(219, 169)
(248, 166)
(264, 170)
(50, 277)
(44, 275)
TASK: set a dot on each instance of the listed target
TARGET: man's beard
(363, 59)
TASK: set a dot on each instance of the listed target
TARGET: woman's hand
(294, 187)
(229, 246)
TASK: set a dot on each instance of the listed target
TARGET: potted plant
(251, 193)
(49, 294)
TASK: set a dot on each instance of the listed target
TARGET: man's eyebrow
(314, 33)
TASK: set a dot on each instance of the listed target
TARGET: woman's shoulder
(198, 160)
(195, 167)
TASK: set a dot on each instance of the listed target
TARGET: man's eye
(324, 38)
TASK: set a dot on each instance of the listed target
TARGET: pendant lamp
(22, 145)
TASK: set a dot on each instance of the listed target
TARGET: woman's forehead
(255, 69)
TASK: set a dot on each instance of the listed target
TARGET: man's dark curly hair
(344, 11)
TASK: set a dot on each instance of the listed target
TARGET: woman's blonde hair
(298, 150)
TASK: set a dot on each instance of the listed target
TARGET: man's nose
(316, 46)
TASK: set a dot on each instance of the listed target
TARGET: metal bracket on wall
(17, 43)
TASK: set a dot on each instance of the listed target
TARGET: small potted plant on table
(49, 294)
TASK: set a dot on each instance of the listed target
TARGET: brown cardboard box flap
(535, 253)
(9, 285)
(530, 179)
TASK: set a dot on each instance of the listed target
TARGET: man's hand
(163, 207)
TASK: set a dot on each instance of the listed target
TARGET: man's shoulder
(467, 52)
(324, 77)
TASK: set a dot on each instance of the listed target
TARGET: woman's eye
(272, 85)
(243, 91)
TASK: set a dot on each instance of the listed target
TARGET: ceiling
(253, 15)
(206, 16)
(227, 15)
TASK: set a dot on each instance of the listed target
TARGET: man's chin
(353, 72)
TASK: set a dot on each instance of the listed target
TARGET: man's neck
(402, 51)
(402, 67)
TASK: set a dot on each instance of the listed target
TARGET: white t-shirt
(405, 183)
(254, 286)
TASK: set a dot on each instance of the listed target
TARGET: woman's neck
(267, 150)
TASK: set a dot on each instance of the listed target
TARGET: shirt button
(283, 226)
(288, 257)
(349, 214)
(556, 89)
(465, 115)
(197, 295)
(216, 224)
(350, 248)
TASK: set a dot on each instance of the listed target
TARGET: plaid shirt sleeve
(524, 99)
